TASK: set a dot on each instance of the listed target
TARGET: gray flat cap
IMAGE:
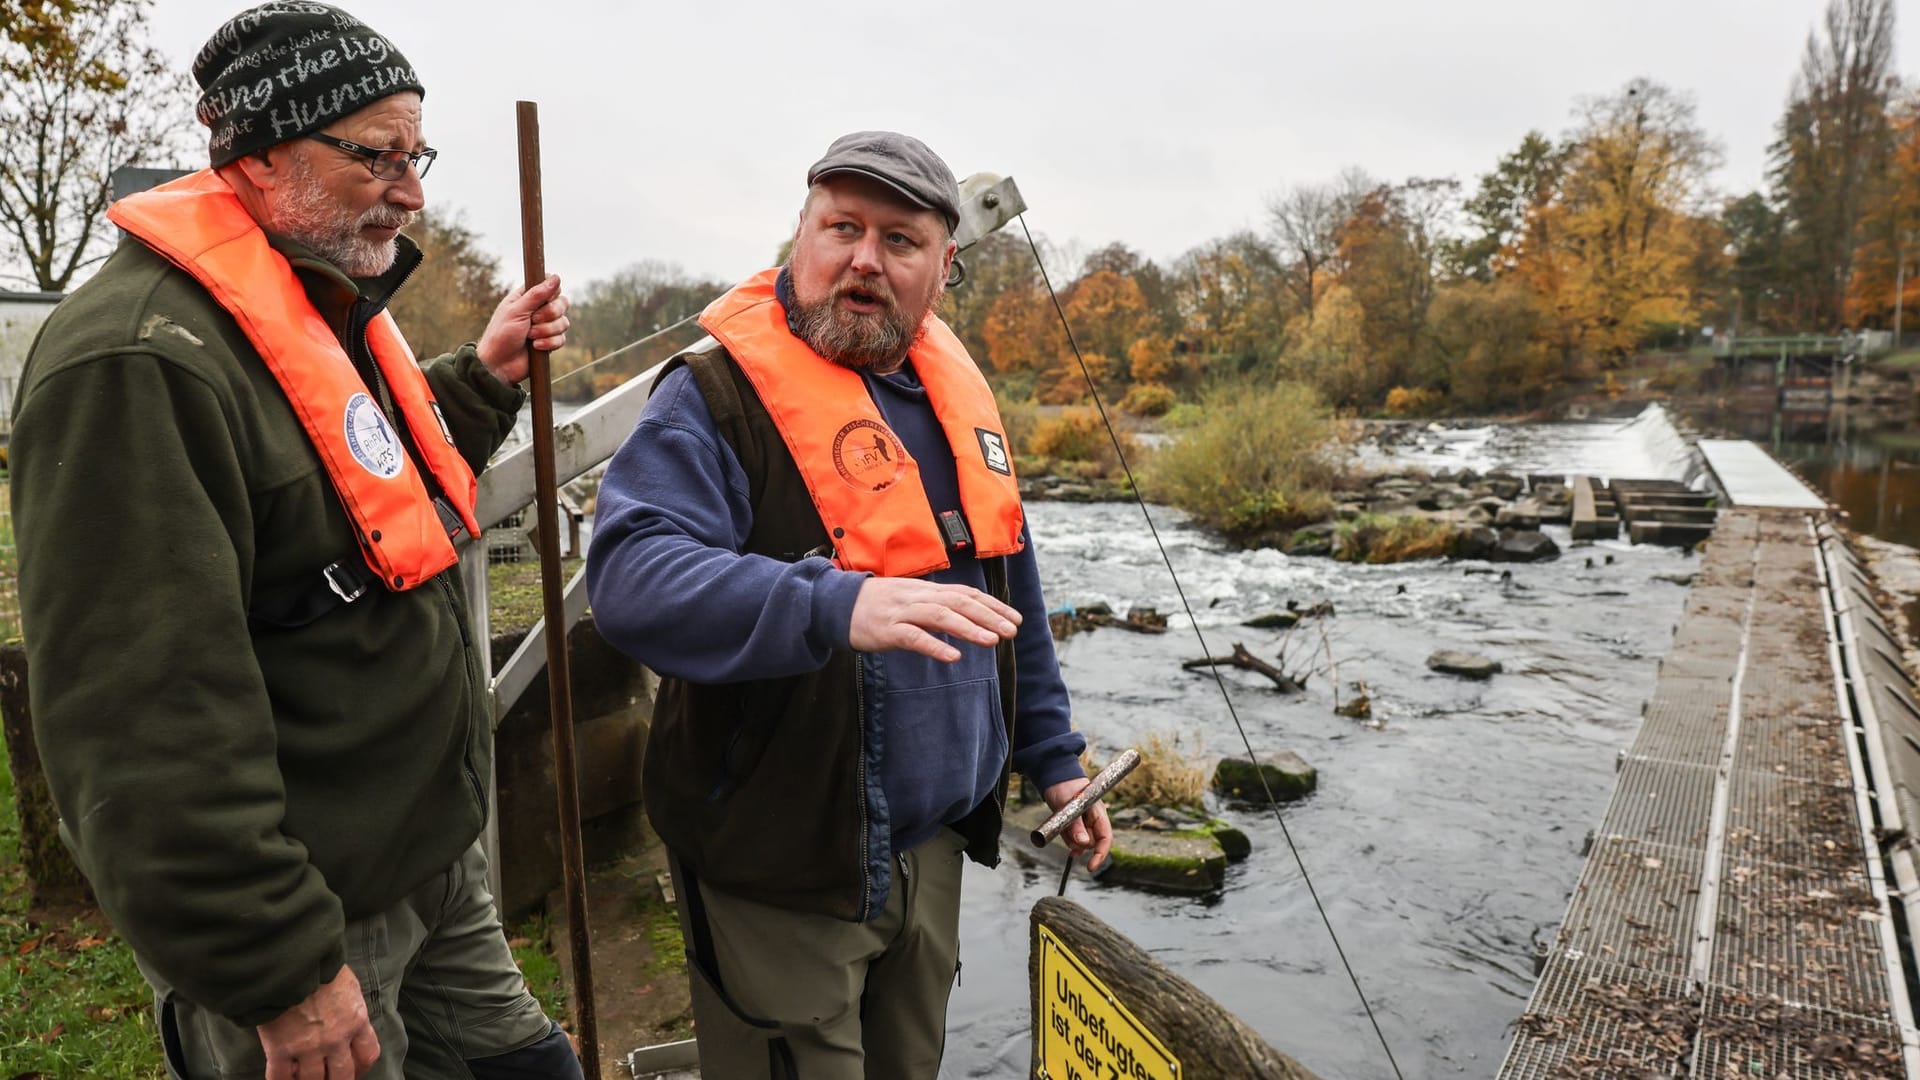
(901, 162)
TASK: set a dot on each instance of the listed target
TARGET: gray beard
(306, 213)
(878, 342)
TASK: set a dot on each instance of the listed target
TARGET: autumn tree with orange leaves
(1885, 287)
(1609, 254)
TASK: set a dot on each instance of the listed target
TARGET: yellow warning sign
(1085, 1033)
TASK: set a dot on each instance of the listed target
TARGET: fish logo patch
(868, 455)
(371, 439)
(993, 448)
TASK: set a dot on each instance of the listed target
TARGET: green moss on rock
(1167, 863)
(1287, 775)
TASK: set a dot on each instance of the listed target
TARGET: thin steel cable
(1218, 679)
(628, 347)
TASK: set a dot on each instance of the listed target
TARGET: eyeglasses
(384, 164)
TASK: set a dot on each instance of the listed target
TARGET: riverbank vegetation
(1165, 777)
(1393, 538)
(1254, 462)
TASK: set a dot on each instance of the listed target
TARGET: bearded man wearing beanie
(238, 504)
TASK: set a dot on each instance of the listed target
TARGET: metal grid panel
(1684, 725)
(1797, 983)
(1779, 685)
(1742, 1037)
(1593, 1019)
(1712, 637)
(1800, 936)
(1777, 819)
(1801, 741)
(1635, 906)
(1661, 802)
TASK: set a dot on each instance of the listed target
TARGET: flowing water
(1445, 837)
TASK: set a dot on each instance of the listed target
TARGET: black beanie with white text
(289, 68)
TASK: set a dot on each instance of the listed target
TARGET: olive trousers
(443, 993)
(786, 995)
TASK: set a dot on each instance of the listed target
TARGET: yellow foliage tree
(1610, 258)
(1150, 360)
(1228, 293)
(1107, 311)
(1328, 350)
(1890, 232)
(1019, 330)
(1488, 340)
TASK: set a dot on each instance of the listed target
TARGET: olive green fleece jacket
(234, 793)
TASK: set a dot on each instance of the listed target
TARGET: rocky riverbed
(1393, 516)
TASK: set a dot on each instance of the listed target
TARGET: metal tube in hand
(1100, 785)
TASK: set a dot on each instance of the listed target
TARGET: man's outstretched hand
(903, 613)
(537, 315)
(326, 1037)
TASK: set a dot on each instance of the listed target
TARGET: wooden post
(546, 503)
(1123, 1007)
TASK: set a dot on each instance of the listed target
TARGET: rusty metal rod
(546, 496)
(1102, 783)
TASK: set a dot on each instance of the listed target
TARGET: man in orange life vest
(238, 503)
(814, 533)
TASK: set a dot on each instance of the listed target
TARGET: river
(1444, 838)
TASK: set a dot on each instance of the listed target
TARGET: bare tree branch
(83, 94)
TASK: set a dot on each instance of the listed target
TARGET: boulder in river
(1274, 620)
(1183, 865)
(1314, 539)
(1233, 843)
(1524, 515)
(1505, 486)
(1465, 665)
(1525, 546)
(1477, 542)
(1287, 774)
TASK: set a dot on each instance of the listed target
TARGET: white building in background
(21, 315)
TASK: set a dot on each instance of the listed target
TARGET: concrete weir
(1746, 905)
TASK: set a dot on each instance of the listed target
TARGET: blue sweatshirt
(670, 587)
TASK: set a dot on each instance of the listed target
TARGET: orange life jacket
(198, 224)
(862, 480)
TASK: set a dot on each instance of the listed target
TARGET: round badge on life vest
(868, 455)
(371, 439)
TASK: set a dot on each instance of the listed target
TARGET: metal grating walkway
(1731, 921)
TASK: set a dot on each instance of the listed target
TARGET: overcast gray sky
(682, 132)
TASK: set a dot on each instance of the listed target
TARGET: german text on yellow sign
(1085, 1033)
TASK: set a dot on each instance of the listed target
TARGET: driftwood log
(1241, 658)
(1210, 1042)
